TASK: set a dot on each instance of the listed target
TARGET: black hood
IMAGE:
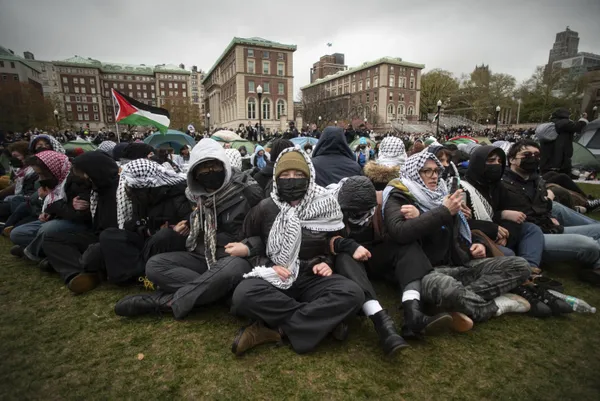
(333, 142)
(561, 113)
(477, 164)
(100, 167)
(119, 150)
(357, 194)
(137, 151)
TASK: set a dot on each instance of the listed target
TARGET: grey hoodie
(207, 149)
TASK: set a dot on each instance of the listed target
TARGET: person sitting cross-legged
(292, 292)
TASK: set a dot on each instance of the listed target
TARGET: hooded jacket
(333, 159)
(556, 155)
(231, 212)
(103, 172)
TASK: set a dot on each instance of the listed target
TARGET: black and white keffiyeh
(56, 146)
(235, 158)
(392, 152)
(482, 210)
(140, 173)
(317, 211)
(107, 147)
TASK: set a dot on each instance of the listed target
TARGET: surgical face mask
(292, 189)
(492, 173)
(212, 179)
(530, 164)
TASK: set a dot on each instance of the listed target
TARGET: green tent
(80, 143)
(354, 144)
(583, 158)
(249, 145)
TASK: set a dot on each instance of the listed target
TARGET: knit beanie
(291, 161)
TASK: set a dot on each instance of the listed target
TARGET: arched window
(411, 110)
(280, 108)
(375, 109)
(390, 109)
(266, 109)
(251, 109)
(400, 109)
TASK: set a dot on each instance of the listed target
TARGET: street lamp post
(259, 92)
(56, 118)
(320, 122)
(335, 122)
(439, 106)
(594, 110)
(208, 123)
(497, 117)
(518, 110)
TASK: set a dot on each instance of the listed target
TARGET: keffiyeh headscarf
(391, 152)
(56, 146)
(235, 158)
(107, 147)
(317, 211)
(141, 173)
(60, 166)
(426, 199)
(21, 175)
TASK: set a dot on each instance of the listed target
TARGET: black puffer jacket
(63, 209)
(257, 226)
(264, 176)
(556, 155)
(333, 159)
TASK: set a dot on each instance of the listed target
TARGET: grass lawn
(57, 346)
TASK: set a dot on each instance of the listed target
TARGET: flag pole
(115, 111)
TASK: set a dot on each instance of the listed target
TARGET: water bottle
(578, 305)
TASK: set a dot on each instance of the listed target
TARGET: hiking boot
(511, 303)
(557, 305)
(390, 340)
(537, 306)
(461, 323)
(340, 332)
(17, 251)
(417, 324)
(144, 304)
(45, 266)
(591, 276)
(253, 335)
(83, 282)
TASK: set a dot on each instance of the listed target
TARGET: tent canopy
(173, 139)
(80, 143)
(590, 137)
(583, 158)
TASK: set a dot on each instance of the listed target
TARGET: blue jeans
(531, 244)
(569, 217)
(572, 247)
(31, 235)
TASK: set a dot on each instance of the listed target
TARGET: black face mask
(49, 183)
(292, 189)
(492, 173)
(15, 163)
(530, 164)
(446, 173)
(211, 180)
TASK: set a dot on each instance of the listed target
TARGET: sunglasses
(529, 154)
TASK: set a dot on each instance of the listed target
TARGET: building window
(251, 108)
(75, 80)
(130, 94)
(280, 89)
(391, 69)
(95, 107)
(65, 80)
(83, 89)
(138, 86)
(1, 63)
(175, 85)
(92, 82)
(162, 93)
(411, 110)
(280, 68)
(12, 65)
(390, 110)
(353, 87)
(78, 107)
(251, 86)
(76, 89)
(375, 109)
(153, 95)
(280, 56)
(184, 94)
(391, 96)
(359, 86)
(412, 83)
(170, 93)
(280, 108)
(80, 116)
(266, 109)
(401, 97)
(265, 54)
(122, 86)
(392, 81)
(66, 89)
(400, 109)
(162, 85)
(69, 108)
(85, 107)
(152, 87)
(145, 95)
(250, 52)
(250, 67)
(267, 87)
(266, 67)
(93, 99)
(368, 98)
(106, 93)
(375, 82)
(368, 83)
(86, 117)
(96, 117)
(182, 86)
(93, 91)
(170, 85)
(78, 98)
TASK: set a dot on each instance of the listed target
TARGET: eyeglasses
(529, 154)
(429, 172)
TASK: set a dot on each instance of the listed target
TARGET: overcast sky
(511, 36)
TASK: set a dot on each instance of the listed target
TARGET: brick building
(327, 65)
(382, 91)
(14, 68)
(197, 89)
(231, 84)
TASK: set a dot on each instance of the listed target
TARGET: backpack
(546, 132)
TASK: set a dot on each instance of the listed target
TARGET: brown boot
(83, 282)
(460, 322)
(251, 336)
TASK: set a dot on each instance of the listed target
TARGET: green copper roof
(255, 41)
(367, 64)
(121, 68)
(5, 54)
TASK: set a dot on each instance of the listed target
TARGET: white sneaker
(511, 303)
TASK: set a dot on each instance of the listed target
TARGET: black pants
(125, 253)
(187, 277)
(356, 271)
(563, 180)
(73, 253)
(400, 263)
(307, 312)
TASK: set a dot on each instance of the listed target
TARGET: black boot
(144, 304)
(416, 323)
(45, 266)
(389, 339)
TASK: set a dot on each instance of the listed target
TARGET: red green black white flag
(130, 111)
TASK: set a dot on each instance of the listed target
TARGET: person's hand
(362, 254)
(501, 241)
(322, 269)
(550, 195)
(282, 272)
(513, 215)
(478, 251)
(42, 192)
(44, 217)
(237, 249)
(466, 211)
(182, 228)
(453, 202)
(556, 223)
(79, 204)
(409, 212)
(502, 233)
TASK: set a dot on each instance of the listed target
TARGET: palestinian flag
(130, 111)
(435, 118)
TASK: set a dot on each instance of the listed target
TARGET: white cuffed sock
(409, 295)
(371, 307)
